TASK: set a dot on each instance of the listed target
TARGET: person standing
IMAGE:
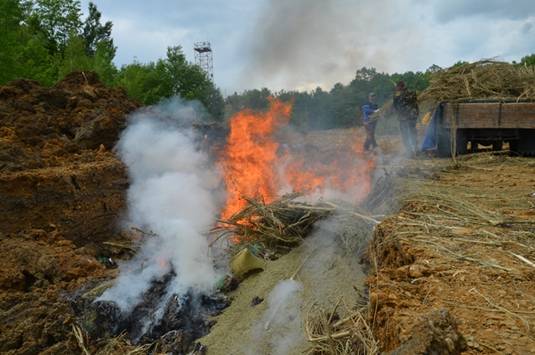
(406, 106)
(368, 109)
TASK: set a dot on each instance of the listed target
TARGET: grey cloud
(527, 27)
(446, 11)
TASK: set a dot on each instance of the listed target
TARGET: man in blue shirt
(368, 109)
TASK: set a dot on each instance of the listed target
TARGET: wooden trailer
(486, 123)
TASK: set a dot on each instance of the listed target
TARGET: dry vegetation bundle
(277, 226)
(443, 219)
(328, 334)
(116, 345)
(485, 79)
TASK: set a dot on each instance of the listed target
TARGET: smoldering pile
(486, 79)
(166, 321)
(167, 291)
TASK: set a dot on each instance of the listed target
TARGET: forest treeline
(44, 40)
(338, 107)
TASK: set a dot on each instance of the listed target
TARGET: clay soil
(462, 245)
(61, 194)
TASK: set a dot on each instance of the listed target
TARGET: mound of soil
(454, 268)
(39, 272)
(62, 191)
(46, 127)
(56, 171)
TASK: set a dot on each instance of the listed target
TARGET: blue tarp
(430, 138)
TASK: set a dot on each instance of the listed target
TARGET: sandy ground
(329, 274)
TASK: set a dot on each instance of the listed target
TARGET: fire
(256, 165)
(251, 154)
(346, 169)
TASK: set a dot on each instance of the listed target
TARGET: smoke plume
(171, 194)
(302, 44)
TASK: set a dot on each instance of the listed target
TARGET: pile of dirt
(56, 171)
(463, 245)
(46, 127)
(62, 191)
(40, 270)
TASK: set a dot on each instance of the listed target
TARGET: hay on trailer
(486, 79)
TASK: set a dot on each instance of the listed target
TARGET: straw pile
(116, 345)
(277, 226)
(328, 334)
(485, 79)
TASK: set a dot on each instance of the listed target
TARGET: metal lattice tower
(204, 57)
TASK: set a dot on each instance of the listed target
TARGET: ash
(172, 321)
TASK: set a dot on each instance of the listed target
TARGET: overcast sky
(301, 44)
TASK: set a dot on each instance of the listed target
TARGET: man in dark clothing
(368, 109)
(406, 107)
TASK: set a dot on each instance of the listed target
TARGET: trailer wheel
(497, 145)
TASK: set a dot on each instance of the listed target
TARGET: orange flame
(255, 165)
(251, 154)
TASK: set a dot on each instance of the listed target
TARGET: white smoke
(171, 194)
(280, 328)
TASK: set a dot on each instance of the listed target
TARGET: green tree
(58, 20)
(23, 52)
(36, 62)
(191, 82)
(103, 63)
(75, 57)
(97, 34)
(146, 83)
(10, 29)
(528, 60)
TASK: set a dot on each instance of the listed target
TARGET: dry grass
(112, 346)
(277, 226)
(485, 79)
(330, 335)
(463, 241)
(444, 219)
